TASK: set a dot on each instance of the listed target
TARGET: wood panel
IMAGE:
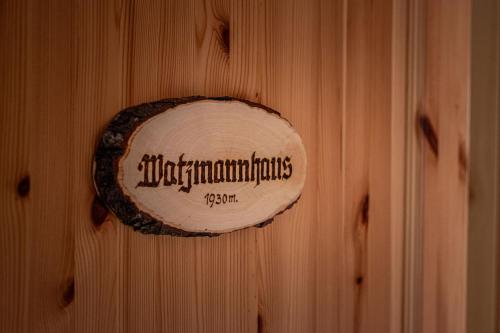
(367, 178)
(286, 249)
(37, 242)
(338, 70)
(445, 101)
(100, 256)
(439, 98)
(483, 292)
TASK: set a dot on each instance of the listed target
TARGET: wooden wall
(378, 91)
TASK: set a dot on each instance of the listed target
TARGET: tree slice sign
(199, 166)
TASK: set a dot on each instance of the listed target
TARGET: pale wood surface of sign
(199, 167)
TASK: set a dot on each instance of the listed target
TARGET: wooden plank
(482, 263)
(329, 161)
(14, 147)
(367, 226)
(99, 61)
(287, 248)
(443, 125)
(37, 263)
(436, 189)
(339, 304)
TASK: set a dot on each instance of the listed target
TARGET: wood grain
(287, 250)
(443, 130)
(37, 261)
(338, 70)
(482, 279)
(367, 224)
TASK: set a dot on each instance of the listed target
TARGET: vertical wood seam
(413, 238)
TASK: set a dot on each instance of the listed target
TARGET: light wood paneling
(37, 240)
(286, 248)
(338, 70)
(483, 292)
(99, 59)
(440, 91)
(366, 229)
(445, 100)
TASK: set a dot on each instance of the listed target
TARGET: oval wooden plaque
(199, 166)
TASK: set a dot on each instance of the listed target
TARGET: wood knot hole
(23, 187)
(260, 323)
(429, 132)
(359, 280)
(224, 37)
(462, 161)
(69, 293)
(365, 209)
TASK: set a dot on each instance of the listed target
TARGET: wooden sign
(199, 166)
